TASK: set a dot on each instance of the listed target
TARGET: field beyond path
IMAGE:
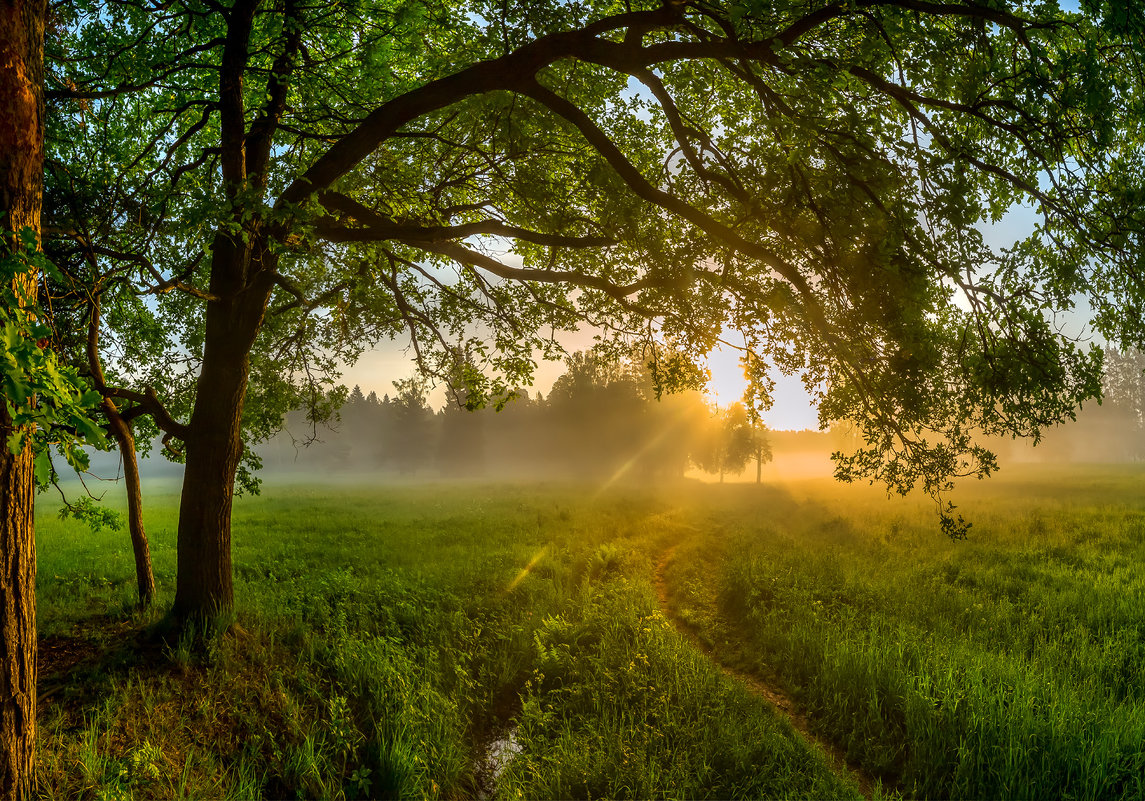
(386, 632)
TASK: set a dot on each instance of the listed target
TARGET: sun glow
(792, 410)
(727, 383)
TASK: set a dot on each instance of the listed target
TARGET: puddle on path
(497, 755)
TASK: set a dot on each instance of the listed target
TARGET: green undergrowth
(1011, 665)
(383, 636)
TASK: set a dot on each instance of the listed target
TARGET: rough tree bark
(242, 276)
(21, 197)
(17, 620)
(204, 588)
(125, 440)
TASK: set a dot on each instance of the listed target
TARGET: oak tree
(286, 182)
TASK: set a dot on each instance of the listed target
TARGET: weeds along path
(781, 702)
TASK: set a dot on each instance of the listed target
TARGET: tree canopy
(286, 182)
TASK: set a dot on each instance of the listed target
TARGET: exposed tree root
(781, 702)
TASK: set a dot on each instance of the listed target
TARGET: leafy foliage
(97, 517)
(728, 442)
(49, 404)
(476, 177)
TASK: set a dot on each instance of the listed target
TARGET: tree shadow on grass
(75, 670)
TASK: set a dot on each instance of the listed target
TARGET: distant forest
(601, 418)
(1112, 431)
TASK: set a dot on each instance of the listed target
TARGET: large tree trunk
(242, 276)
(17, 620)
(204, 586)
(21, 197)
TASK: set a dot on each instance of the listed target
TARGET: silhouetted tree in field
(761, 452)
(727, 443)
(1123, 390)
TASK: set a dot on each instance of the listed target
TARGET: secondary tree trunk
(204, 587)
(21, 197)
(144, 577)
(125, 439)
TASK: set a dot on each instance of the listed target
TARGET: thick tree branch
(378, 228)
(619, 293)
(507, 72)
(236, 52)
(642, 188)
(149, 403)
(261, 136)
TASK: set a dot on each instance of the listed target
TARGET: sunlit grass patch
(621, 705)
(1005, 666)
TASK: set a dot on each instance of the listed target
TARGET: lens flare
(673, 428)
(527, 569)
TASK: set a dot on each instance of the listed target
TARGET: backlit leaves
(49, 404)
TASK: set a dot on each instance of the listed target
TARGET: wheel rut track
(786, 706)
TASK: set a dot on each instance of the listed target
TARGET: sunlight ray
(528, 568)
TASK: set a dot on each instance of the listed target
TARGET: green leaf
(16, 441)
(42, 467)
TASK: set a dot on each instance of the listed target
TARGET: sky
(792, 410)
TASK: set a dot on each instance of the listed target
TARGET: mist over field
(602, 422)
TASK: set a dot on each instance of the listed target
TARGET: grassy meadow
(506, 641)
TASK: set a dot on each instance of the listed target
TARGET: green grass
(384, 635)
(1006, 666)
(387, 634)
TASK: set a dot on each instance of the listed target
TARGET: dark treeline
(601, 419)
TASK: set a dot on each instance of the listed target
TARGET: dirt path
(781, 702)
